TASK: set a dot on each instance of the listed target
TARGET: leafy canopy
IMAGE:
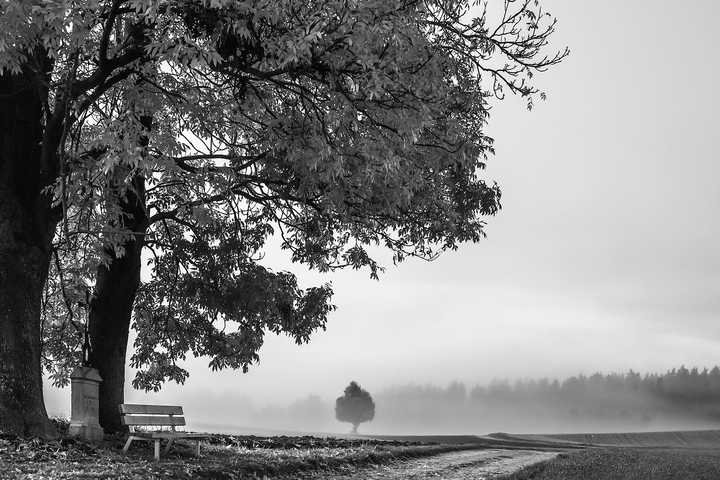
(334, 125)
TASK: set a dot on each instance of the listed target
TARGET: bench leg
(169, 444)
(157, 450)
(127, 444)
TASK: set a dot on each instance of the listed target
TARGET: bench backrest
(134, 415)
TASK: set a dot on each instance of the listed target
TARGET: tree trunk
(355, 427)
(26, 228)
(23, 269)
(111, 310)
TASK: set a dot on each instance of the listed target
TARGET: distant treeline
(681, 386)
(679, 398)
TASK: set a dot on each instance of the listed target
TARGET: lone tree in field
(355, 406)
(198, 130)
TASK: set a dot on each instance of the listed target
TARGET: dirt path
(466, 465)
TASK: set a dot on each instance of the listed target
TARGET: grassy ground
(702, 439)
(225, 457)
(627, 464)
(680, 456)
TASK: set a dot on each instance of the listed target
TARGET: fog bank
(680, 399)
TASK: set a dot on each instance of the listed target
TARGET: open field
(682, 455)
(626, 464)
(681, 439)
(633, 456)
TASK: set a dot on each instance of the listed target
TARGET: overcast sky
(604, 257)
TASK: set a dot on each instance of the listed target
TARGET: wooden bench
(135, 416)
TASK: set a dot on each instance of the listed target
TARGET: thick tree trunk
(22, 275)
(111, 310)
(26, 228)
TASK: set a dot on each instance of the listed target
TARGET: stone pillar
(84, 421)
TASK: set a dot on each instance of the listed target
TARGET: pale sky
(604, 257)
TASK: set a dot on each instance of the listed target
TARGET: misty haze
(680, 399)
(359, 239)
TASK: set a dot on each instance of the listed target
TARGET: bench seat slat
(134, 409)
(152, 420)
(173, 435)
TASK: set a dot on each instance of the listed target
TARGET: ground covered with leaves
(225, 457)
(627, 464)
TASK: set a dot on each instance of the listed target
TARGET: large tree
(51, 71)
(200, 130)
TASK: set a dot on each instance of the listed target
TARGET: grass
(702, 439)
(225, 457)
(627, 464)
(230, 457)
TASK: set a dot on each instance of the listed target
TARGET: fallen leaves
(225, 457)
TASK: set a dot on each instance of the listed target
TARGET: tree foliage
(356, 406)
(337, 126)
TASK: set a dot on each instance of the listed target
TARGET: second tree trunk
(111, 311)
